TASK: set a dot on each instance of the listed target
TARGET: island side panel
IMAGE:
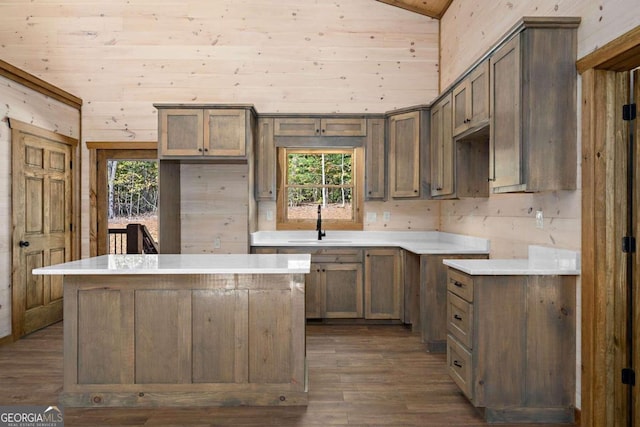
(164, 310)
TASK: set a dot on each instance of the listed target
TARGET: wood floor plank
(358, 376)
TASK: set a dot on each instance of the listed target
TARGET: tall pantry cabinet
(207, 203)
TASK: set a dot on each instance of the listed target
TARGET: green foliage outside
(334, 186)
(133, 188)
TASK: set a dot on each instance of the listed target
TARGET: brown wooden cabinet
(471, 100)
(375, 156)
(404, 155)
(511, 345)
(383, 290)
(533, 109)
(442, 154)
(316, 126)
(197, 131)
(265, 184)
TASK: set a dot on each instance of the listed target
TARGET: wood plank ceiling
(433, 8)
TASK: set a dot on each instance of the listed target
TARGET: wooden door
(225, 132)
(506, 150)
(404, 155)
(442, 182)
(375, 157)
(181, 132)
(383, 294)
(342, 290)
(42, 215)
(266, 161)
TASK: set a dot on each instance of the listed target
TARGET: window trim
(282, 223)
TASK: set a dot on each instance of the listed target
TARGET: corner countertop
(541, 261)
(182, 264)
(418, 242)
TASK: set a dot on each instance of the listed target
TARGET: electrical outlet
(269, 215)
(372, 217)
(386, 216)
(539, 219)
(216, 243)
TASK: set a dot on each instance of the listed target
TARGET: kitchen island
(184, 330)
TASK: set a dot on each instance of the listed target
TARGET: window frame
(356, 223)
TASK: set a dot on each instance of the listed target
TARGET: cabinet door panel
(375, 158)
(225, 133)
(266, 162)
(479, 94)
(343, 127)
(343, 290)
(404, 155)
(442, 171)
(299, 126)
(383, 287)
(313, 293)
(181, 132)
(506, 122)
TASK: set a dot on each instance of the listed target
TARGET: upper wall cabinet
(375, 159)
(310, 126)
(442, 155)
(199, 132)
(471, 100)
(533, 108)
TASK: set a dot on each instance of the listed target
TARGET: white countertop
(418, 242)
(182, 264)
(541, 261)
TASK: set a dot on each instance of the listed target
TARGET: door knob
(23, 244)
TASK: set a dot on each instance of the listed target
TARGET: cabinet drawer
(460, 284)
(460, 319)
(459, 366)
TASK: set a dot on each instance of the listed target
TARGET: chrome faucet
(321, 233)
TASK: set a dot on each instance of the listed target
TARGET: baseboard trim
(6, 340)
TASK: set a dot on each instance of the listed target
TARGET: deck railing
(135, 239)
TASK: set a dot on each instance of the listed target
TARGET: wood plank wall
(297, 56)
(24, 104)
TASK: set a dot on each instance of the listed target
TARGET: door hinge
(628, 376)
(628, 112)
(628, 244)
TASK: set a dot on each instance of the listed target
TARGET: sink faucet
(321, 233)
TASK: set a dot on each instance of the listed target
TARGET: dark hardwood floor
(358, 376)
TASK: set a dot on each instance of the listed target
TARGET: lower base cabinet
(511, 345)
(351, 283)
(334, 291)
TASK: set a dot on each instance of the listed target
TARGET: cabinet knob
(458, 364)
(206, 150)
(323, 130)
(457, 317)
(317, 130)
(24, 244)
(415, 191)
(438, 188)
(458, 284)
(200, 150)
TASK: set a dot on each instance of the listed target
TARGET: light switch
(269, 215)
(216, 243)
(372, 217)
(386, 216)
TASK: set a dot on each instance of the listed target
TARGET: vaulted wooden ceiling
(432, 8)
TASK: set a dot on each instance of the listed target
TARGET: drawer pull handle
(455, 316)
(458, 364)
(458, 284)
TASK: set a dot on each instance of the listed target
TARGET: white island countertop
(541, 261)
(418, 242)
(182, 264)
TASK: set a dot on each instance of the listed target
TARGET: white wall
(21, 103)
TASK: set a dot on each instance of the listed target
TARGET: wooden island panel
(184, 340)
